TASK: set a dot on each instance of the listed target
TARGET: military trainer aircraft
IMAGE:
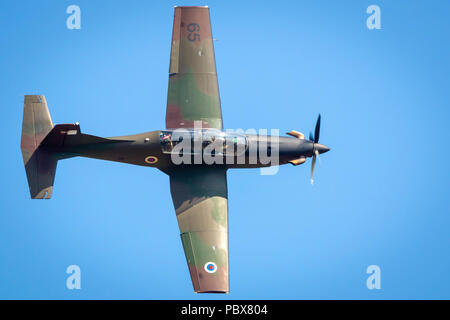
(194, 134)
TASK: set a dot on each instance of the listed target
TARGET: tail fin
(40, 165)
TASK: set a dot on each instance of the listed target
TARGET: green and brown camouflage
(200, 198)
(199, 191)
(193, 93)
(40, 165)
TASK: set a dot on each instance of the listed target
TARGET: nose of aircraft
(321, 148)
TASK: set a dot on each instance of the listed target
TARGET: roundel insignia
(151, 159)
(210, 267)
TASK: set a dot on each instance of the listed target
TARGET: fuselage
(169, 149)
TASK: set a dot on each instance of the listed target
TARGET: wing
(193, 93)
(200, 200)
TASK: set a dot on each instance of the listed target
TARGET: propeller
(316, 152)
(317, 148)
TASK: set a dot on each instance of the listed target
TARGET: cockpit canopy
(190, 141)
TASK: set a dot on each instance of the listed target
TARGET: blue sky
(381, 193)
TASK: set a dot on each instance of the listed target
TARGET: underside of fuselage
(162, 149)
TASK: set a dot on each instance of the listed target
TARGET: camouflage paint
(200, 197)
(193, 93)
(40, 166)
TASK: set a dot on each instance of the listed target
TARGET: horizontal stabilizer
(41, 169)
(40, 165)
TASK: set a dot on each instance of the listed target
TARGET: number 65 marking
(193, 28)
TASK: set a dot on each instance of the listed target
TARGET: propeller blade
(316, 152)
(312, 168)
(317, 130)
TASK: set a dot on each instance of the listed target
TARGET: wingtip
(191, 6)
(213, 291)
